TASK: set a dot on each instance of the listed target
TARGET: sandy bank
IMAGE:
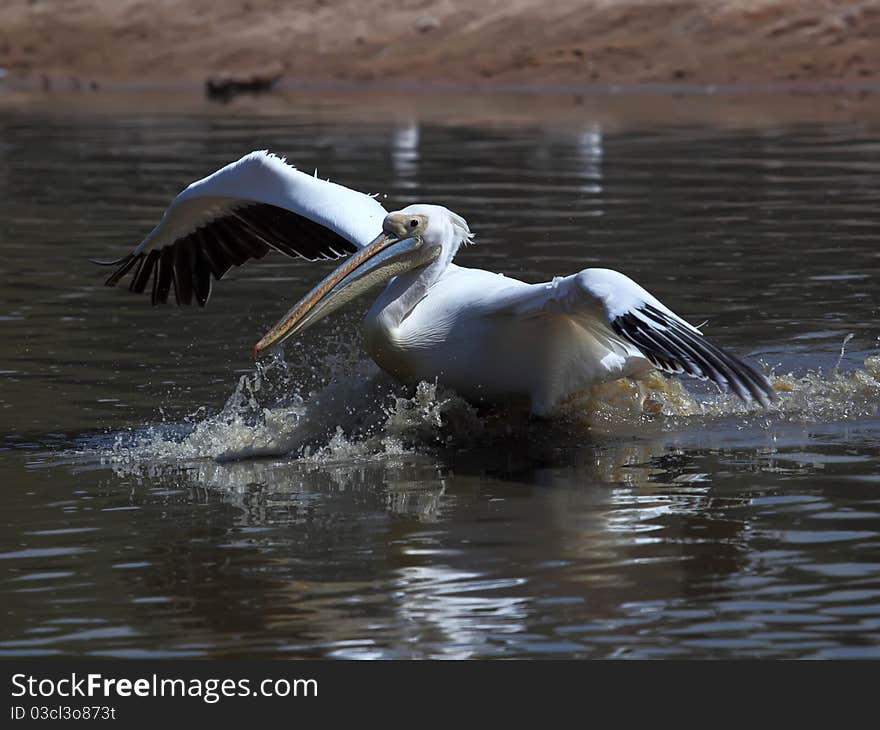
(494, 41)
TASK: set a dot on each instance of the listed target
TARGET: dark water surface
(411, 525)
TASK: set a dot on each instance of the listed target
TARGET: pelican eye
(413, 222)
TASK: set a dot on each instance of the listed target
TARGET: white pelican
(485, 335)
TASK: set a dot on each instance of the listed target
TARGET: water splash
(365, 415)
(810, 398)
(362, 414)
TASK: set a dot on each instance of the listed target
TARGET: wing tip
(125, 264)
(747, 383)
(109, 262)
(766, 394)
(676, 348)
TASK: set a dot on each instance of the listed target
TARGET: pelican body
(490, 337)
(469, 333)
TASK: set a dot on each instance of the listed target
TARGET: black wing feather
(675, 348)
(164, 276)
(201, 274)
(127, 263)
(232, 239)
(144, 272)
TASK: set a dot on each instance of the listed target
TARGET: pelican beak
(383, 258)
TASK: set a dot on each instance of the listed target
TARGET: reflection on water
(162, 497)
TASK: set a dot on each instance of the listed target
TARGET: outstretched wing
(239, 213)
(633, 316)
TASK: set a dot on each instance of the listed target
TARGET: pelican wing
(632, 315)
(239, 213)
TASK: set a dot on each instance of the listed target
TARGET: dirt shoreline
(91, 43)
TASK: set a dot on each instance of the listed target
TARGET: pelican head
(416, 236)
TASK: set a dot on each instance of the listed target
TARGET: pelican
(490, 337)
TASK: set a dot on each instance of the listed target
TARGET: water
(382, 522)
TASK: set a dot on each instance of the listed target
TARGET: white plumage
(261, 177)
(487, 336)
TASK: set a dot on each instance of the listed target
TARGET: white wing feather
(261, 177)
(240, 213)
(632, 315)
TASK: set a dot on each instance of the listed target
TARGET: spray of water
(364, 415)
